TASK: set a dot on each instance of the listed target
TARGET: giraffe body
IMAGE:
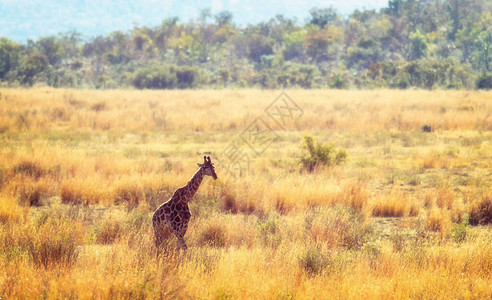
(175, 213)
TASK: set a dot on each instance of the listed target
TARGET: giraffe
(175, 214)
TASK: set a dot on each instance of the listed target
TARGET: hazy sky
(29, 19)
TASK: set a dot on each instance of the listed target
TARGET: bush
(298, 75)
(186, 77)
(338, 82)
(156, 77)
(459, 232)
(422, 73)
(484, 82)
(320, 155)
(30, 196)
(481, 211)
(165, 77)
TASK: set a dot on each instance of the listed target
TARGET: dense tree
(9, 57)
(323, 16)
(36, 64)
(259, 46)
(484, 45)
(410, 43)
(318, 41)
(418, 46)
(223, 18)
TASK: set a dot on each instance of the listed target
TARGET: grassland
(406, 216)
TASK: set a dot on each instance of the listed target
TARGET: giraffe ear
(199, 165)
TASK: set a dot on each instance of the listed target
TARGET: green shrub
(459, 232)
(269, 231)
(318, 154)
(156, 77)
(165, 77)
(338, 82)
(312, 261)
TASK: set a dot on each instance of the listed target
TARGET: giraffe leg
(182, 233)
(179, 231)
(183, 243)
(183, 228)
(180, 236)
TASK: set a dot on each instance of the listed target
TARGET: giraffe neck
(192, 186)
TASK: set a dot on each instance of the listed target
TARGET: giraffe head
(208, 167)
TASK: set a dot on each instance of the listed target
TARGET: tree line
(410, 43)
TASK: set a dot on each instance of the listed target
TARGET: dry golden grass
(407, 215)
(394, 204)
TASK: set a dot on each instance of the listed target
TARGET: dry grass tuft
(54, 245)
(438, 220)
(10, 212)
(355, 195)
(338, 227)
(394, 204)
(85, 191)
(109, 232)
(30, 195)
(445, 198)
(128, 191)
(213, 234)
(228, 201)
(29, 168)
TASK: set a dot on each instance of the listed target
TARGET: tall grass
(151, 110)
(10, 211)
(394, 204)
(81, 173)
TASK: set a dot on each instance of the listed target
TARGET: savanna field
(405, 213)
